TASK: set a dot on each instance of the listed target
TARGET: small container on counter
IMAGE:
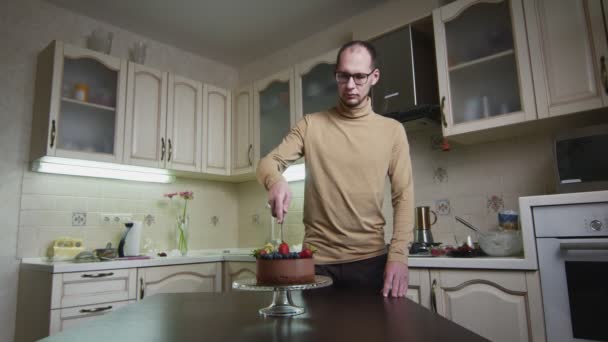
(508, 220)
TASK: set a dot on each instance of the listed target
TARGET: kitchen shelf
(88, 104)
(482, 60)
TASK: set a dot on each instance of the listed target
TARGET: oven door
(574, 280)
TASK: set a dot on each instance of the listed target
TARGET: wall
(26, 27)
(471, 181)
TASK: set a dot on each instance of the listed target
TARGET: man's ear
(375, 76)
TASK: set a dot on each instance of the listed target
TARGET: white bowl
(501, 243)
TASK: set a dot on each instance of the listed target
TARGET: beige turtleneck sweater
(349, 152)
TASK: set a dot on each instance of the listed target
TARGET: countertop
(243, 255)
(331, 315)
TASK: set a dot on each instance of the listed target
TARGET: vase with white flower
(181, 230)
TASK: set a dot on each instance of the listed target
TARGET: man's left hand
(396, 277)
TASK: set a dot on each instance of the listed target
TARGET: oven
(572, 246)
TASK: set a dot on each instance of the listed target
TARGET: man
(349, 150)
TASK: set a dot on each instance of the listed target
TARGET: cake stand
(282, 305)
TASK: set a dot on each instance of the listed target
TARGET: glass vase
(181, 233)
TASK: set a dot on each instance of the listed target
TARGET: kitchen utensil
(100, 40)
(422, 230)
(129, 244)
(497, 243)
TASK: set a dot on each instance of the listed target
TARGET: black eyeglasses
(359, 78)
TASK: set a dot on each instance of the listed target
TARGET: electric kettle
(129, 244)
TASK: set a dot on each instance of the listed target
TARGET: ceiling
(233, 32)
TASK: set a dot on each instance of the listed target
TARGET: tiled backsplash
(49, 201)
(471, 181)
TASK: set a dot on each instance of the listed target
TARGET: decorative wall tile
(440, 175)
(442, 207)
(494, 203)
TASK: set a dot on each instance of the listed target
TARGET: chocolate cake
(285, 271)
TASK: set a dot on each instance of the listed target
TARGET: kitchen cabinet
(78, 105)
(146, 117)
(163, 120)
(483, 65)
(568, 51)
(419, 289)
(498, 305)
(205, 277)
(315, 84)
(49, 303)
(242, 131)
(236, 270)
(274, 111)
(184, 134)
(217, 116)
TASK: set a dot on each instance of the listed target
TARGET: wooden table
(331, 315)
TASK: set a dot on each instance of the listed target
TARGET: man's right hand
(279, 197)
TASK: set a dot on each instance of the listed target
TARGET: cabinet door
(242, 131)
(146, 117)
(179, 279)
(237, 270)
(419, 289)
(483, 65)
(315, 84)
(493, 304)
(274, 110)
(86, 104)
(184, 124)
(216, 128)
(564, 64)
(63, 319)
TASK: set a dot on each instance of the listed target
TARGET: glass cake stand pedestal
(282, 305)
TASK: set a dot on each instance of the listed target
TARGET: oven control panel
(571, 220)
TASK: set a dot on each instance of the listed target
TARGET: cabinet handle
(249, 156)
(434, 296)
(98, 275)
(141, 288)
(604, 74)
(53, 133)
(443, 120)
(105, 308)
(162, 149)
(170, 150)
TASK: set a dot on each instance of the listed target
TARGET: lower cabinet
(498, 305)
(179, 279)
(236, 270)
(67, 318)
(418, 288)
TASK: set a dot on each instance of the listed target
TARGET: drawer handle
(163, 149)
(170, 150)
(53, 133)
(249, 157)
(433, 296)
(105, 308)
(142, 290)
(98, 275)
(442, 109)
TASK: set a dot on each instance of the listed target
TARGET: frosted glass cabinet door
(316, 88)
(87, 105)
(274, 113)
(483, 65)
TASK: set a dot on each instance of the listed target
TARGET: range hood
(407, 90)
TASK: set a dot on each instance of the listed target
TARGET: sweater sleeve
(271, 167)
(402, 195)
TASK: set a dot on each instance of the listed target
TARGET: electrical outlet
(108, 219)
(79, 219)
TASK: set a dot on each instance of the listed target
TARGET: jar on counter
(81, 92)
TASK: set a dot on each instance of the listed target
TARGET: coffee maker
(423, 238)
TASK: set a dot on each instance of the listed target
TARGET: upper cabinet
(217, 116)
(568, 52)
(274, 111)
(163, 120)
(315, 85)
(79, 104)
(483, 65)
(146, 117)
(242, 130)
